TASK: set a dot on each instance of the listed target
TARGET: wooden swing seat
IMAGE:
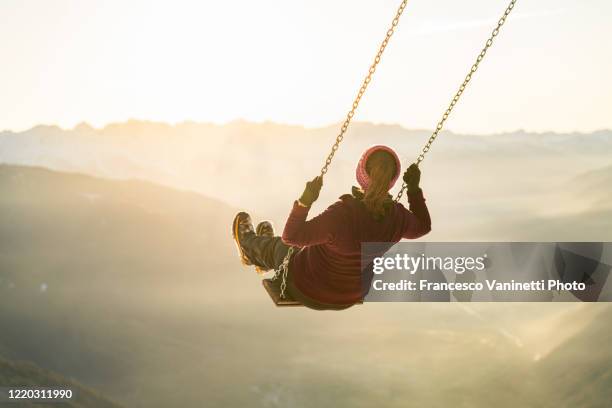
(273, 289)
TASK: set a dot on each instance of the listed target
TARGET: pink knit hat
(362, 175)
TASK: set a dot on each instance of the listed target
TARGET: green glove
(311, 192)
(412, 178)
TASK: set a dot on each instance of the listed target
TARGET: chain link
(282, 272)
(458, 94)
(364, 86)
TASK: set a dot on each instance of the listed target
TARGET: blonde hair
(381, 168)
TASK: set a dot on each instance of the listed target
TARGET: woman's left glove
(412, 178)
(311, 192)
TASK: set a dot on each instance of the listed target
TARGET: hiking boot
(242, 227)
(265, 229)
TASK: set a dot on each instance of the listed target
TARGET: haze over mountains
(134, 289)
(472, 182)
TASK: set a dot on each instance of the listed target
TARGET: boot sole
(243, 258)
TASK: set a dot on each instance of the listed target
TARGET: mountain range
(135, 290)
(479, 187)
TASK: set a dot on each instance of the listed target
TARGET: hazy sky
(301, 62)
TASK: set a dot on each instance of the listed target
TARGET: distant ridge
(85, 126)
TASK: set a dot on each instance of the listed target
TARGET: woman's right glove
(412, 178)
(311, 192)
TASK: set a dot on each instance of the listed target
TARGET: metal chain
(364, 86)
(458, 94)
(283, 269)
(282, 272)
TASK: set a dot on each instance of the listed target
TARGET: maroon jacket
(328, 268)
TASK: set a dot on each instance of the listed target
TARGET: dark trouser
(269, 253)
(265, 252)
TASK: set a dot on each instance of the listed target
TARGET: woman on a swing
(325, 269)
